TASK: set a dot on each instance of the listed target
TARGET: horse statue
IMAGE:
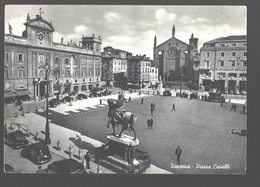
(124, 118)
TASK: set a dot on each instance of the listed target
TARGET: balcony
(204, 67)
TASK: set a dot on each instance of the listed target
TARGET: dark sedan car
(81, 96)
(67, 99)
(167, 93)
(38, 153)
(54, 102)
(16, 139)
(66, 166)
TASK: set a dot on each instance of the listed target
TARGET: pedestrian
(87, 159)
(40, 170)
(129, 99)
(142, 100)
(244, 109)
(232, 107)
(100, 101)
(235, 107)
(173, 106)
(202, 97)
(178, 153)
(151, 105)
(205, 97)
(148, 123)
(151, 123)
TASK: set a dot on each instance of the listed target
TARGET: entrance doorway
(242, 86)
(232, 85)
(90, 87)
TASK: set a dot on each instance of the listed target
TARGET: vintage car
(167, 93)
(38, 153)
(54, 102)
(81, 96)
(66, 166)
(67, 99)
(16, 139)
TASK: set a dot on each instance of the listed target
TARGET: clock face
(173, 51)
(40, 36)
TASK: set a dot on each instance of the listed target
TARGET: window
(41, 59)
(76, 72)
(6, 57)
(232, 75)
(243, 75)
(222, 45)
(222, 54)
(76, 80)
(244, 44)
(97, 47)
(6, 74)
(233, 45)
(221, 74)
(57, 60)
(21, 74)
(233, 63)
(244, 63)
(66, 61)
(207, 63)
(83, 73)
(222, 63)
(207, 54)
(20, 57)
(245, 53)
(233, 54)
(67, 73)
(90, 72)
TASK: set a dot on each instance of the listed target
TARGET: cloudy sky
(133, 28)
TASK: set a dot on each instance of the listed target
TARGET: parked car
(38, 153)
(16, 139)
(167, 93)
(81, 96)
(96, 92)
(107, 92)
(66, 166)
(72, 93)
(67, 99)
(54, 102)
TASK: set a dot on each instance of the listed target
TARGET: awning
(10, 94)
(22, 92)
(67, 84)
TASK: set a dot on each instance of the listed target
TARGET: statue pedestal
(121, 155)
(122, 147)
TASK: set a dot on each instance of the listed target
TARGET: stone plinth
(124, 139)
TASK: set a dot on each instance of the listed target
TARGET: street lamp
(47, 128)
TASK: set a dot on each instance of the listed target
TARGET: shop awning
(22, 92)
(9, 94)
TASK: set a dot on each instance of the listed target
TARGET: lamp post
(47, 128)
(34, 82)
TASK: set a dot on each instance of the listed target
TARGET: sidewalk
(67, 137)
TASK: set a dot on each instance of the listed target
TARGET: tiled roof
(228, 38)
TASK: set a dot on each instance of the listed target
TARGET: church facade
(175, 60)
(72, 67)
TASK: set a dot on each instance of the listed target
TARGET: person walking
(178, 153)
(173, 106)
(142, 100)
(100, 101)
(151, 122)
(152, 111)
(148, 123)
(235, 107)
(232, 107)
(129, 99)
(87, 159)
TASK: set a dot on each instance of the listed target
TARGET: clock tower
(38, 31)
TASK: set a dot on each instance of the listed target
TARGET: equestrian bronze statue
(117, 117)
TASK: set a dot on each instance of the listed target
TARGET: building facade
(114, 63)
(72, 67)
(223, 64)
(139, 71)
(175, 59)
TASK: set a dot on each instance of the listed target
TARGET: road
(202, 129)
